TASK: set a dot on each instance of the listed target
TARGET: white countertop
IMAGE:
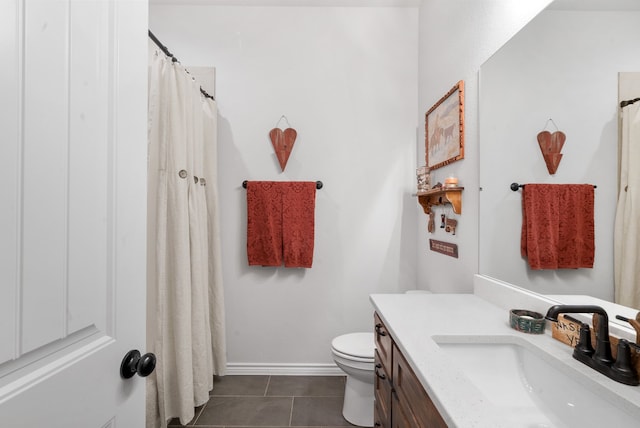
(414, 319)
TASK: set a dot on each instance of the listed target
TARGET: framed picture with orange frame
(444, 129)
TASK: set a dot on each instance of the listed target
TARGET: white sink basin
(532, 388)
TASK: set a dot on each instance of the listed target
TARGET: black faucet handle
(584, 346)
(622, 368)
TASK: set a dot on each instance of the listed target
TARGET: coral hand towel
(280, 223)
(558, 226)
(298, 223)
(264, 223)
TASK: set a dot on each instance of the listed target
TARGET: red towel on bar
(558, 226)
(280, 223)
(264, 223)
(298, 223)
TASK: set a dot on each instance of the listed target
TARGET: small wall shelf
(444, 195)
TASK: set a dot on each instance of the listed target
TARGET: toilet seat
(355, 346)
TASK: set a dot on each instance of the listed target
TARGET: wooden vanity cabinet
(382, 408)
(417, 407)
(384, 343)
(383, 387)
(400, 399)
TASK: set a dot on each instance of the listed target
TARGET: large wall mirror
(562, 66)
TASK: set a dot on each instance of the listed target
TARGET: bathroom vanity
(453, 360)
(399, 397)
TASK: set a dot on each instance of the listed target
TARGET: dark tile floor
(274, 402)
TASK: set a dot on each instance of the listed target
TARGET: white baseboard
(283, 369)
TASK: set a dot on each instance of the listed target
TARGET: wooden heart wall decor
(551, 146)
(283, 142)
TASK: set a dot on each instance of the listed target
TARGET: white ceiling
(557, 4)
(329, 3)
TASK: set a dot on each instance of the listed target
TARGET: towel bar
(318, 184)
(516, 186)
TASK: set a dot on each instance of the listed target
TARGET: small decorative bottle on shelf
(423, 178)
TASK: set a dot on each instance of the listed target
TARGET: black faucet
(599, 359)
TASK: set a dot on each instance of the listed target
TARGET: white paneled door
(72, 211)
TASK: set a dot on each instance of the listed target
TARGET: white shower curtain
(627, 223)
(185, 321)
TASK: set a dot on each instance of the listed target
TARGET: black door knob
(133, 363)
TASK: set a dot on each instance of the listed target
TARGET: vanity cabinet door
(382, 409)
(383, 342)
(402, 415)
(415, 406)
(400, 399)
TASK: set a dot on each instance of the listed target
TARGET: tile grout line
(291, 411)
(266, 389)
(195, 420)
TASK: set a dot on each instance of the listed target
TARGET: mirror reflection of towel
(558, 226)
(280, 223)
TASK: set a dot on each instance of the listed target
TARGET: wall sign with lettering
(446, 248)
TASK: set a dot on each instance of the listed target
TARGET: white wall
(346, 78)
(456, 37)
(564, 65)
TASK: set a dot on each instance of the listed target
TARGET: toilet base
(358, 402)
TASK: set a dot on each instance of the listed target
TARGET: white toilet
(354, 354)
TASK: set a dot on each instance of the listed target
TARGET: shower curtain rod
(164, 49)
(628, 102)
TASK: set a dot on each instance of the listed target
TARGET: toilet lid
(359, 345)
